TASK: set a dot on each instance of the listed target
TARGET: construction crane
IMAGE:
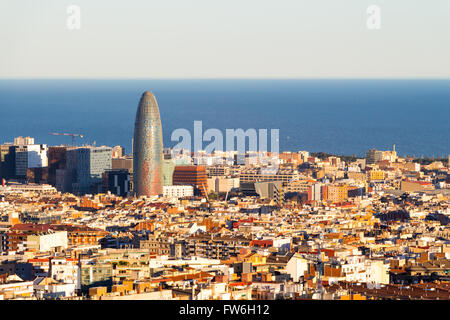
(207, 198)
(73, 135)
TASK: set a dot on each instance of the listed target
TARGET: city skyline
(301, 153)
(316, 115)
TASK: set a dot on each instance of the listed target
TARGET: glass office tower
(147, 148)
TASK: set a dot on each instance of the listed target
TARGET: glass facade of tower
(87, 164)
(147, 148)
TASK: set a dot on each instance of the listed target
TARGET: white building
(65, 271)
(282, 244)
(30, 156)
(178, 191)
(48, 241)
(19, 141)
(50, 288)
(296, 267)
(16, 288)
(354, 268)
(194, 228)
(377, 271)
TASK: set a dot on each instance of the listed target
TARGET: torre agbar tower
(147, 148)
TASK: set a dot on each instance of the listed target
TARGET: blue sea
(333, 116)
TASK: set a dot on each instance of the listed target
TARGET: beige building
(220, 184)
(337, 193)
(256, 175)
(299, 186)
(357, 176)
(407, 185)
(48, 241)
(375, 175)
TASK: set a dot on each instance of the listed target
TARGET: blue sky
(225, 39)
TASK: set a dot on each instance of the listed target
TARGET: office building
(37, 175)
(123, 163)
(270, 190)
(373, 156)
(178, 191)
(191, 175)
(117, 181)
(221, 184)
(219, 170)
(7, 162)
(147, 148)
(57, 159)
(29, 156)
(258, 175)
(85, 166)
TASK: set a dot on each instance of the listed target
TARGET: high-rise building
(56, 160)
(30, 156)
(7, 162)
(147, 148)
(85, 167)
(37, 175)
(374, 156)
(191, 175)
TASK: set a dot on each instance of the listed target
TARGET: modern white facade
(178, 191)
(48, 241)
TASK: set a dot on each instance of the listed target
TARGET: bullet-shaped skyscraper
(147, 148)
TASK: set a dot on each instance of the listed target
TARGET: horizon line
(224, 78)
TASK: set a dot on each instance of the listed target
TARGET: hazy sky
(224, 39)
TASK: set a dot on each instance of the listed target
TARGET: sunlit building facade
(147, 148)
